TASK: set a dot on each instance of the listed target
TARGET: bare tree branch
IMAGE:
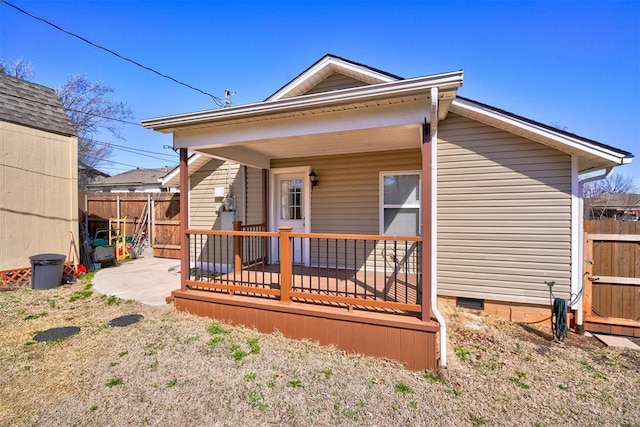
(92, 110)
(18, 68)
(613, 197)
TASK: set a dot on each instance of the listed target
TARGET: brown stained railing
(347, 270)
(379, 271)
(215, 260)
(253, 249)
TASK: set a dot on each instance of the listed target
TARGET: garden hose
(559, 324)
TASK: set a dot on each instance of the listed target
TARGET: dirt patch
(175, 369)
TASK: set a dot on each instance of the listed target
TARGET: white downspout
(434, 227)
(578, 305)
(245, 200)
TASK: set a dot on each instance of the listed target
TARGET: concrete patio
(148, 280)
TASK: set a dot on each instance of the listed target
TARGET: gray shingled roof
(33, 105)
(133, 177)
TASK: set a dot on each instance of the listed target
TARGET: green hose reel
(559, 322)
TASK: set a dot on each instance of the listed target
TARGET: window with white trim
(400, 203)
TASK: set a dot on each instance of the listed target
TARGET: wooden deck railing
(362, 271)
(253, 249)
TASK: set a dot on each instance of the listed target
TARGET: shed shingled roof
(33, 105)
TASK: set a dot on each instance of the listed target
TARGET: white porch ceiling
(258, 153)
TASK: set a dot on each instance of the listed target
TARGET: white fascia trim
(328, 62)
(460, 106)
(417, 85)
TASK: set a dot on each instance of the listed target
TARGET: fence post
(587, 304)
(286, 264)
(237, 258)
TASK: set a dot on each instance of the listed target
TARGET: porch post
(184, 219)
(426, 223)
(286, 264)
(237, 258)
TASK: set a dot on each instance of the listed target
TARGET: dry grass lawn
(180, 370)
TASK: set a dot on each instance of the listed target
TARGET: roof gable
(33, 105)
(332, 73)
(592, 155)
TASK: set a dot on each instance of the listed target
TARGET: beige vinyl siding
(346, 201)
(335, 82)
(204, 205)
(254, 195)
(504, 215)
(38, 194)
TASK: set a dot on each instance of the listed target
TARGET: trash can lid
(48, 257)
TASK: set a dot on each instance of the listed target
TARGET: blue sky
(572, 63)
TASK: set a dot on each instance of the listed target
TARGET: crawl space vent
(472, 303)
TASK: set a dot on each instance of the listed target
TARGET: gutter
(451, 81)
(434, 227)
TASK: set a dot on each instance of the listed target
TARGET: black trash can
(46, 270)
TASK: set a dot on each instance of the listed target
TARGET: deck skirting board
(408, 340)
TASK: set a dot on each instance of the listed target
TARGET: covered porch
(337, 263)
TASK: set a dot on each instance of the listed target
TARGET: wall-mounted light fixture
(313, 178)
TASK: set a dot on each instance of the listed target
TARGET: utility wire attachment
(227, 98)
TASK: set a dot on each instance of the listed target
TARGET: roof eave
(452, 81)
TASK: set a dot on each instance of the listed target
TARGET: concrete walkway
(148, 280)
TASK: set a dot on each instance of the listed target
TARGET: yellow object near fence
(118, 237)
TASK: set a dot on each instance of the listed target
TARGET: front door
(291, 207)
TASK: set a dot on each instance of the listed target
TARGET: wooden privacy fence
(157, 213)
(612, 277)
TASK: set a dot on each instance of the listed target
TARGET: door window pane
(291, 199)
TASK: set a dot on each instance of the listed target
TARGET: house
(134, 181)
(367, 195)
(88, 175)
(38, 173)
(623, 206)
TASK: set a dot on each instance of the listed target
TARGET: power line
(77, 111)
(118, 163)
(215, 99)
(104, 117)
(132, 150)
(116, 146)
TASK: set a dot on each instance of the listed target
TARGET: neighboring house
(133, 181)
(88, 175)
(38, 173)
(430, 192)
(617, 206)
